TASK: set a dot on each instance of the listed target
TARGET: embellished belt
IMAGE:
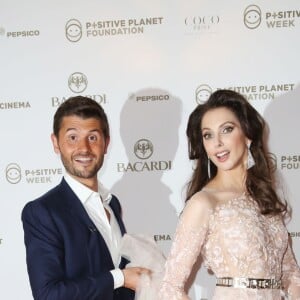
(251, 283)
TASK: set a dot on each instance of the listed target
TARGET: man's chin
(85, 174)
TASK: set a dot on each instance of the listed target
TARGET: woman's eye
(228, 129)
(206, 136)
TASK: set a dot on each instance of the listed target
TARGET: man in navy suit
(72, 233)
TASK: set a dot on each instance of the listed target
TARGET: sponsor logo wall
(148, 65)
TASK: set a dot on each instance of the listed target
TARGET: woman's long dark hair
(259, 182)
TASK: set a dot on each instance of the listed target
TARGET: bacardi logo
(77, 82)
(143, 149)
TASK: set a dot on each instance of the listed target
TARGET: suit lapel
(74, 206)
(116, 208)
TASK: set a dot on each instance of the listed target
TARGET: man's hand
(132, 276)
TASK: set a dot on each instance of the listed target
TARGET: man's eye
(72, 137)
(92, 138)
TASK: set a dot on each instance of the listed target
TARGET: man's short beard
(78, 173)
(84, 174)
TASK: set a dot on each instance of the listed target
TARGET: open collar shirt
(95, 204)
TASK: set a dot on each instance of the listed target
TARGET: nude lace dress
(234, 240)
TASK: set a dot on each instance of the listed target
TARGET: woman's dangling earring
(208, 167)
(250, 159)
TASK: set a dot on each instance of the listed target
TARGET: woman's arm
(189, 237)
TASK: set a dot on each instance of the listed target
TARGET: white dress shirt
(95, 205)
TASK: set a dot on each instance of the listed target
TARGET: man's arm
(46, 262)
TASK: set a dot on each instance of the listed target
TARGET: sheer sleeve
(189, 237)
(291, 275)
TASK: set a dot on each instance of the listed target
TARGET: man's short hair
(82, 107)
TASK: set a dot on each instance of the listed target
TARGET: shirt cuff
(118, 278)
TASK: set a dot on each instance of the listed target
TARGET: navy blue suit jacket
(67, 258)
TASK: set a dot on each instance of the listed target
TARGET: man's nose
(84, 144)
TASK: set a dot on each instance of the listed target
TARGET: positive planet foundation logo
(73, 30)
(13, 173)
(290, 162)
(252, 16)
(262, 91)
(272, 161)
(203, 92)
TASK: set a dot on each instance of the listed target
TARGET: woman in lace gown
(233, 217)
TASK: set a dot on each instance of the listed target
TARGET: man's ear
(55, 143)
(106, 144)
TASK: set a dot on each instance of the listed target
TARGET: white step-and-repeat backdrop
(149, 63)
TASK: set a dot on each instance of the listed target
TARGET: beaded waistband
(251, 283)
